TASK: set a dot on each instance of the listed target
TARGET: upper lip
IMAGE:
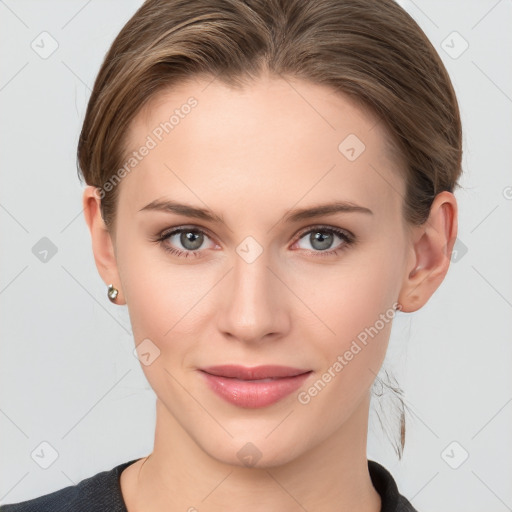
(254, 372)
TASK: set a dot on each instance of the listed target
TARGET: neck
(180, 475)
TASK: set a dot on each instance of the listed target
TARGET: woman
(269, 181)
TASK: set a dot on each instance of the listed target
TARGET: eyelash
(347, 237)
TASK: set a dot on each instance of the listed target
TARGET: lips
(254, 373)
(254, 387)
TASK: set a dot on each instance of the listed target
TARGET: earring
(112, 292)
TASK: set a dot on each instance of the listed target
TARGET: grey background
(68, 375)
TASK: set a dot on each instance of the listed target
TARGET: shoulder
(384, 483)
(98, 493)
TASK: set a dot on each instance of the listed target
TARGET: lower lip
(251, 393)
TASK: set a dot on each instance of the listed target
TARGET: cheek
(347, 297)
(354, 304)
(360, 317)
(164, 302)
(154, 293)
(168, 302)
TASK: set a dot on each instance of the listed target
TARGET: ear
(431, 250)
(102, 245)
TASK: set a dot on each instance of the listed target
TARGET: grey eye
(191, 240)
(322, 239)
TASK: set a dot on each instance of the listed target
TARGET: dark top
(102, 493)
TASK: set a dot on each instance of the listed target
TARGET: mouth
(269, 372)
(254, 387)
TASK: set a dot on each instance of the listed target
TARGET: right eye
(190, 238)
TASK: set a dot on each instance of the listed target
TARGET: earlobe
(431, 250)
(102, 245)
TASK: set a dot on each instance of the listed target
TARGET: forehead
(273, 140)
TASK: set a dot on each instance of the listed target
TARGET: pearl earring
(112, 292)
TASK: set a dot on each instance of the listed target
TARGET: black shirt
(102, 493)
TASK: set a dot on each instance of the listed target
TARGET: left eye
(191, 239)
(321, 239)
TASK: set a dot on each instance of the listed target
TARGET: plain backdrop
(70, 385)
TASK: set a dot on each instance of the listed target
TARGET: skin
(250, 156)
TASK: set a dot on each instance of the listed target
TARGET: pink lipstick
(254, 387)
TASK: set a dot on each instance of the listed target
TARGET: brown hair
(371, 50)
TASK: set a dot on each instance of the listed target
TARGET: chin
(255, 451)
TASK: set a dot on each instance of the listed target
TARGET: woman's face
(252, 282)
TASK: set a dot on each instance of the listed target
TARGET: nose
(254, 302)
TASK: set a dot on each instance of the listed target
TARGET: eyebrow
(290, 216)
(324, 209)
